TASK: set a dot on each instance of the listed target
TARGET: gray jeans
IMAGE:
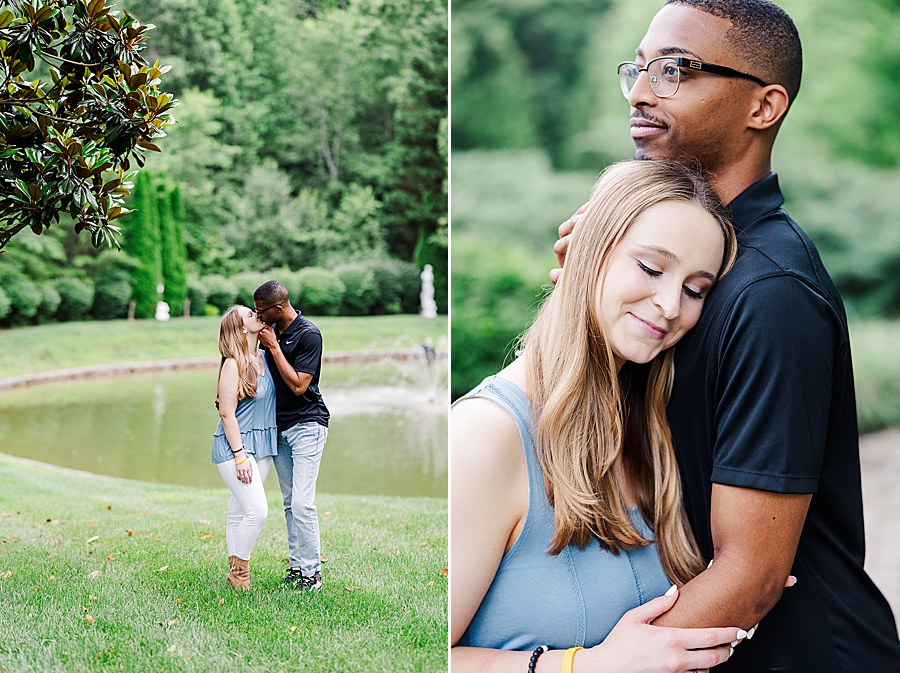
(297, 466)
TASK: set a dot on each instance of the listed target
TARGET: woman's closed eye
(654, 273)
(650, 272)
(694, 294)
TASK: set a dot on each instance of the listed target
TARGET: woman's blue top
(256, 419)
(573, 598)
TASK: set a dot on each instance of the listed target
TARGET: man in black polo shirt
(762, 412)
(294, 357)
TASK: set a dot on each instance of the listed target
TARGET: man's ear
(770, 106)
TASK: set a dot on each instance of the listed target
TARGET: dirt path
(880, 459)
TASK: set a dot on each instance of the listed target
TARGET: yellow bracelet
(568, 658)
(241, 462)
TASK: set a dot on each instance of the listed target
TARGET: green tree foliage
(308, 134)
(66, 142)
(143, 243)
(173, 254)
(357, 105)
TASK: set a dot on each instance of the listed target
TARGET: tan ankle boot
(239, 577)
(231, 578)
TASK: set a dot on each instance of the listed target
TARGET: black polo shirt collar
(293, 327)
(757, 200)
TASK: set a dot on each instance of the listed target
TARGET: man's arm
(298, 382)
(755, 536)
(774, 392)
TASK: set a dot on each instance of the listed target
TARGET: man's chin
(644, 153)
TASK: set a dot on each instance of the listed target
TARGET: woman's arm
(633, 646)
(489, 492)
(228, 401)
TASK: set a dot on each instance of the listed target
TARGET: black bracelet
(534, 657)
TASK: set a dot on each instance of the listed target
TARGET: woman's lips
(649, 328)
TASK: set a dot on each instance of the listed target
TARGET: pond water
(387, 434)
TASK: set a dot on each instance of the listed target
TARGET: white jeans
(247, 509)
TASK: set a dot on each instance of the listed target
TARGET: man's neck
(288, 315)
(731, 179)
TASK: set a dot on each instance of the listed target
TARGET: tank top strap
(510, 397)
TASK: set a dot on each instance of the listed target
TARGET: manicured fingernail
(750, 633)
(672, 590)
(741, 634)
(731, 651)
(734, 642)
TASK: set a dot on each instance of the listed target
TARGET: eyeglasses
(664, 73)
(258, 311)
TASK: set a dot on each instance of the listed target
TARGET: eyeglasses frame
(257, 311)
(691, 64)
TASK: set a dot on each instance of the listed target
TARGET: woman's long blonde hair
(588, 414)
(233, 344)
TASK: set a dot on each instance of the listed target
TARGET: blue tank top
(573, 598)
(256, 419)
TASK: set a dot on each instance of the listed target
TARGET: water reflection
(387, 436)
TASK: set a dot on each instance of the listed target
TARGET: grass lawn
(99, 574)
(30, 350)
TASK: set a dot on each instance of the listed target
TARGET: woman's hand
(244, 471)
(634, 646)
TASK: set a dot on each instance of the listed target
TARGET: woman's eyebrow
(662, 251)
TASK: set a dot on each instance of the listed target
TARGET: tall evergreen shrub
(143, 243)
(174, 252)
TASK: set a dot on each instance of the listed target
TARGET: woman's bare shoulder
(484, 437)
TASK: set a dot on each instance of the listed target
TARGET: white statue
(162, 311)
(426, 296)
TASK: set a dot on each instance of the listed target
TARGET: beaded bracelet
(534, 657)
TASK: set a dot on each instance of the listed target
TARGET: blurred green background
(537, 113)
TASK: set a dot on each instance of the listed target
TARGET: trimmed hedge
(50, 301)
(77, 298)
(222, 292)
(24, 297)
(112, 292)
(380, 286)
(360, 288)
(198, 293)
(247, 282)
(4, 304)
(321, 291)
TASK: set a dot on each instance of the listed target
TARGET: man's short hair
(762, 35)
(271, 292)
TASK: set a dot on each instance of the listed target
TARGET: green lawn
(79, 592)
(76, 344)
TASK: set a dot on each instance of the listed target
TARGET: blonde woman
(567, 526)
(246, 437)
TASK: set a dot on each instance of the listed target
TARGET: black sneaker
(293, 575)
(309, 583)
